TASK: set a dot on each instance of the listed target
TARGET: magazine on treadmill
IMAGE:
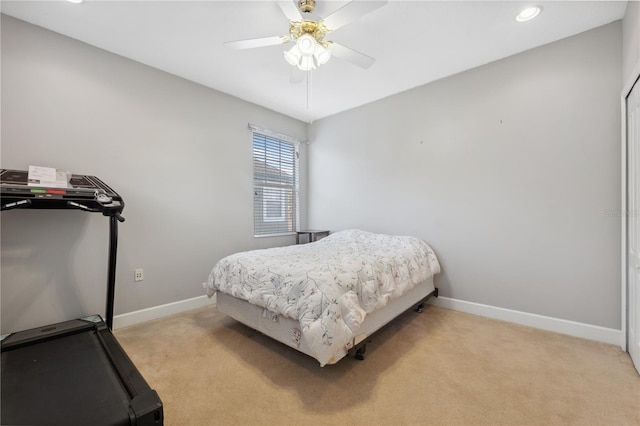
(48, 177)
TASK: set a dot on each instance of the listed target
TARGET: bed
(327, 297)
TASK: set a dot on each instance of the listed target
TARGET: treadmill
(74, 372)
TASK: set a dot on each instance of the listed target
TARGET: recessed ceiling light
(529, 13)
(75, 1)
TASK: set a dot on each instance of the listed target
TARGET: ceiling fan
(310, 49)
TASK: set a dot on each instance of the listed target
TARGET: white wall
(511, 171)
(179, 154)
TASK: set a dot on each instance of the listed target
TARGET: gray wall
(179, 154)
(511, 171)
(630, 39)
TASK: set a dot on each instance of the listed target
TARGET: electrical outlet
(138, 275)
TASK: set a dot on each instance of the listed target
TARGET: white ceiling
(414, 42)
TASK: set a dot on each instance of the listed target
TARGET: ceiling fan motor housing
(316, 29)
(306, 6)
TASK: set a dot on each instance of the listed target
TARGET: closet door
(633, 223)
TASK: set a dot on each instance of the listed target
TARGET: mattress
(329, 286)
(287, 330)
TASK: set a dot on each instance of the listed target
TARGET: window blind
(275, 185)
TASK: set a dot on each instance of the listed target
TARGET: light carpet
(439, 367)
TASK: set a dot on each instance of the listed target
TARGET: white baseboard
(137, 317)
(572, 328)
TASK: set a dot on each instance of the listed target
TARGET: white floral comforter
(329, 285)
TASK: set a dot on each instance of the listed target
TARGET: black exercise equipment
(74, 372)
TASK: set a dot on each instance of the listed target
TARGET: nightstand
(312, 235)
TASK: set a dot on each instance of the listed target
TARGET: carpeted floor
(438, 367)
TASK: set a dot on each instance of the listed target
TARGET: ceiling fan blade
(356, 58)
(258, 42)
(350, 12)
(297, 75)
(290, 10)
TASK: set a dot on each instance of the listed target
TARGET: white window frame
(282, 181)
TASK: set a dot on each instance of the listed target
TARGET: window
(275, 185)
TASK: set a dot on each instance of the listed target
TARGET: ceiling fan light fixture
(322, 54)
(307, 63)
(307, 44)
(293, 55)
(307, 54)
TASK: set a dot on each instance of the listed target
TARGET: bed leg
(360, 352)
(420, 307)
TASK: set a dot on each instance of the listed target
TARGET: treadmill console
(84, 192)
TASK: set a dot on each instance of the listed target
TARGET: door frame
(626, 90)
